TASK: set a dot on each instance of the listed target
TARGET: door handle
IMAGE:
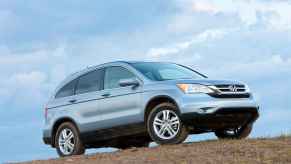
(72, 101)
(106, 95)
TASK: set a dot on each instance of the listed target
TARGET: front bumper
(209, 113)
(224, 118)
(205, 104)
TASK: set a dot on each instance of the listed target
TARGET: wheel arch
(154, 101)
(57, 124)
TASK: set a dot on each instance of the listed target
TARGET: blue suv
(130, 104)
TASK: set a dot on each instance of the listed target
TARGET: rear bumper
(222, 118)
(47, 140)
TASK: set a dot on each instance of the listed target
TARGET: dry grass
(275, 150)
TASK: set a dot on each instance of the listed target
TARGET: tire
(239, 133)
(170, 133)
(78, 148)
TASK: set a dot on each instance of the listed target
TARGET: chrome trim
(229, 89)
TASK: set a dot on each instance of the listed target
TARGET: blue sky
(41, 42)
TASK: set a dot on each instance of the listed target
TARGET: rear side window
(89, 82)
(67, 90)
(114, 74)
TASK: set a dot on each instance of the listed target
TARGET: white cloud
(205, 6)
(276, 14)
(207, 35)
(212, 34)
(157, 52)
(32, 79)
(23, 84)
(27, 78)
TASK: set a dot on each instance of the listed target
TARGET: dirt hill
(275, 150)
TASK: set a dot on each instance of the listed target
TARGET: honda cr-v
(130, 104)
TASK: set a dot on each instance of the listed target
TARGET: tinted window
(89, 82)
(166, 71)
(113, 75)
(67, 90)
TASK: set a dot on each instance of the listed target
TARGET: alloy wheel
(166, 124)
(66, 141)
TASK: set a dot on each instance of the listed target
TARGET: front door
(120, 105)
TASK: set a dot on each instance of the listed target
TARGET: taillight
(45, 112)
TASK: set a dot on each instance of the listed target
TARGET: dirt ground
(276, 150)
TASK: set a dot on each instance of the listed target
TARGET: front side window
(166, 71)
(89, 82)
(113, 75)
(67, 90)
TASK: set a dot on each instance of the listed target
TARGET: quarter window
(89, 82)
(114, 74)
(67, 90)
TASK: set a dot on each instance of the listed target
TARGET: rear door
(120, 105)
(86, 100)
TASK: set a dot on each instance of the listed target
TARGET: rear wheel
(165, 126)
(68, 141)
(237, 133)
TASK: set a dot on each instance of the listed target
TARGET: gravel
(273, 150)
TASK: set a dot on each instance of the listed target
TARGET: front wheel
(68, 141)
(237, 133)
(165, 126)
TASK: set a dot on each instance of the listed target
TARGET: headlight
(194, 88)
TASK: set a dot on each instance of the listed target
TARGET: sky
(42, 42)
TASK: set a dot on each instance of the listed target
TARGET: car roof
(89, 68)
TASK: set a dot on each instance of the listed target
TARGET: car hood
(208, 82)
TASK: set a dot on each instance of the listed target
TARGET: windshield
(166, 71)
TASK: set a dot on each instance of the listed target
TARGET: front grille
(230, 91)
(231, 88)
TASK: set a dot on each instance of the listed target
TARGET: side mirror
(129, 82)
